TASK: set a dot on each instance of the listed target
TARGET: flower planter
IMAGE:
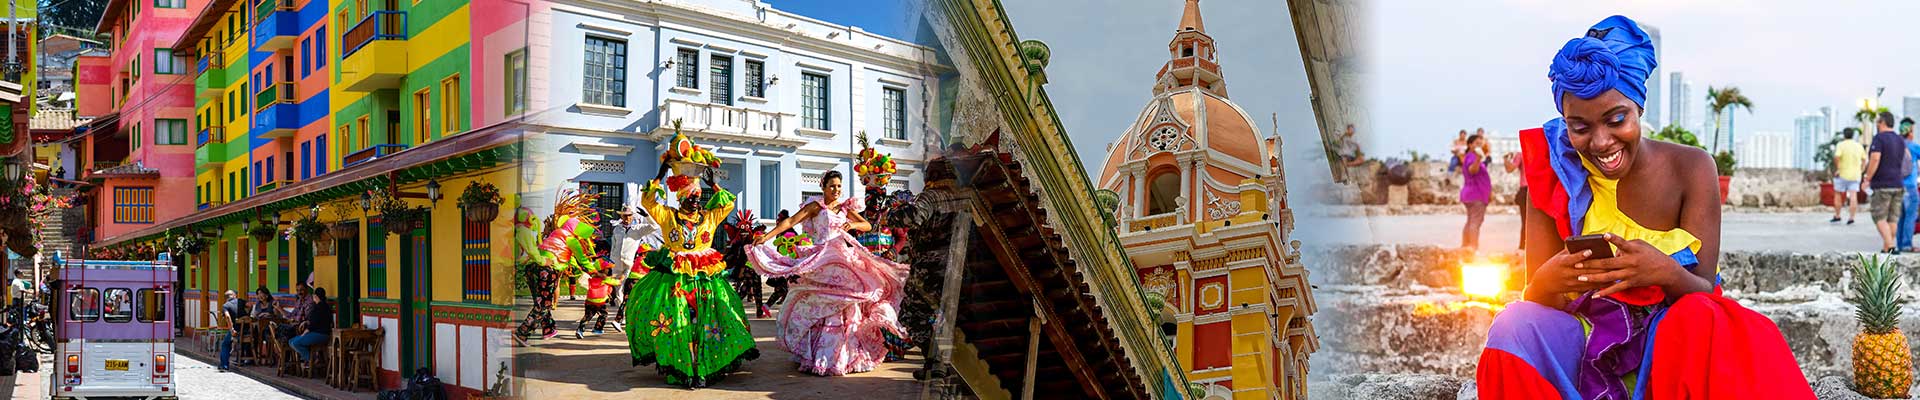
(1826, 194)
(482, 212)
(344, 230)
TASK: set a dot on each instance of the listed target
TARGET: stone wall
(1433, 184)
(1397, 309)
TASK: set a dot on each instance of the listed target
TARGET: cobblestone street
(597, 367)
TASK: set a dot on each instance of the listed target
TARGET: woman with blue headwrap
(1648, 322)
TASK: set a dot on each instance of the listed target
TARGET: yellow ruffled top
(1604, 216)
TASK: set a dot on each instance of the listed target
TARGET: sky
(883, 17)
(1788, 57)
(1105, 54)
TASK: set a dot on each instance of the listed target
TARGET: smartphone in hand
(1595, 242)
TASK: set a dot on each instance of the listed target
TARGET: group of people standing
(668, 271)
(1887, 168)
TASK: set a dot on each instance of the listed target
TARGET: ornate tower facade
(1203, 216)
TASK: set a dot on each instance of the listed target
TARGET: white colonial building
(779, 97)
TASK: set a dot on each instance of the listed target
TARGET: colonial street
(598, 367)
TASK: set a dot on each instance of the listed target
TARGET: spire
(1192, 64)
(1190, 20)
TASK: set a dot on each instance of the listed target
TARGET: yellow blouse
(685, 231)
(1604, 216)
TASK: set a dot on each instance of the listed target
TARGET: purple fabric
(1476, 187)
(1614, 348)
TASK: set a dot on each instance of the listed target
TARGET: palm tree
(1720, 101)
(1866, 116)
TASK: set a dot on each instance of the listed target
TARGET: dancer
(682, 315)
(1648, 322)
(541, 279)
(598, 290)
(844, 298)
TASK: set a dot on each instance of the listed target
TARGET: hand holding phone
(1594, 242)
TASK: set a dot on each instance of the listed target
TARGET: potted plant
(189, 244)
(309, 229)
(1823, 159)
(1724, 162)
(396, 216)
(262, 231)
(480, 202)
(343, 226)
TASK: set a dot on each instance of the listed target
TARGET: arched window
(1162, 190)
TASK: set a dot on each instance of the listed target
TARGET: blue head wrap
(1614, 54)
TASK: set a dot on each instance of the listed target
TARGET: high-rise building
(1682, 98)
(1910, 106)
(1826, 114)
(1653, 80)
(1764, 150)
(1809, 133)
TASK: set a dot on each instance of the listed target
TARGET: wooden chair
(361, 357)
(243, 338)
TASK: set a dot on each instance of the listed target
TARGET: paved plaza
(598, 367)
(1802, 232)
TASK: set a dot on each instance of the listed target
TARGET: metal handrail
(277, 93)
(378, 25)
(210, 135)
(268, 7)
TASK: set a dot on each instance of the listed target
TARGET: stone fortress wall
(1432, 184)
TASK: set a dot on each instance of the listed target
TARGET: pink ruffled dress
(843, 299)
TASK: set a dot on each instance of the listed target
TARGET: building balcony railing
(278, 93)
(271, 185)
(211, 83)
(727, 120)
(371, 153)
(275, 25)
(380, 25)
(1151, 222)
(210, 135)
(374, 52)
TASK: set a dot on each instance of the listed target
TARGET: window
(605, 69)
(133, 205)
(366, 136)
(306, 55)
(152, 306)
(450, 116)
(895, 106)
(169, 3)
(306, 160)
(689, 69)
(613, 196)
(169, 131)
(268, 167)
(376, 259)
(119, 305)
(421, 117)
(476, 261)
(165, 63)
(516, 82)
(320, 47)
(1186, 50)
(1164, 189)
(769, 189)
(320, 156)
(134, 140)
(756, 79)
(83, 304)
(721, 74)
(813, 101)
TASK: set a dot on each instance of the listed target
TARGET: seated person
(317, 327)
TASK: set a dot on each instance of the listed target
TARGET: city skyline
(1715, 46)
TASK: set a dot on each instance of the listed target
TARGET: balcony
(264, 187)
(370, 154)
(276, 115)
(375, 52)
(212, 81)
(275, 25)
(729, 122)
(209, 156)
(1151, 222)
(210, 135)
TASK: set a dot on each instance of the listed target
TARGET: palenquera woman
(1648, 322)
(683, 315)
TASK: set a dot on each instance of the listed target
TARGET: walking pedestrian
(1476, 188)
(1910, 204)
(1849, 161)
(1886, 168)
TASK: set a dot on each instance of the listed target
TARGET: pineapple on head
(1882, 363)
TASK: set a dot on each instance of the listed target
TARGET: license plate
(116, 365)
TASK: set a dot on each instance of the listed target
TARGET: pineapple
(1882, 365)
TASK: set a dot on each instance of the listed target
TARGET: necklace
(685, 228)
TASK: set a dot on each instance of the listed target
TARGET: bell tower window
(1186, 50)
(1162, 190)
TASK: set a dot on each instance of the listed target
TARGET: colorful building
(1203, 215)
(300, 111)
(779, 97)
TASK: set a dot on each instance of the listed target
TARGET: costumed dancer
(540, 276)
(567, 238)
(682, 315)
(843, 297)
(887, 237)
(599, 288)
(1648, 322)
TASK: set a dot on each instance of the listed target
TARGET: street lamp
(433, 191)
(366, 202)
(13, 169)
